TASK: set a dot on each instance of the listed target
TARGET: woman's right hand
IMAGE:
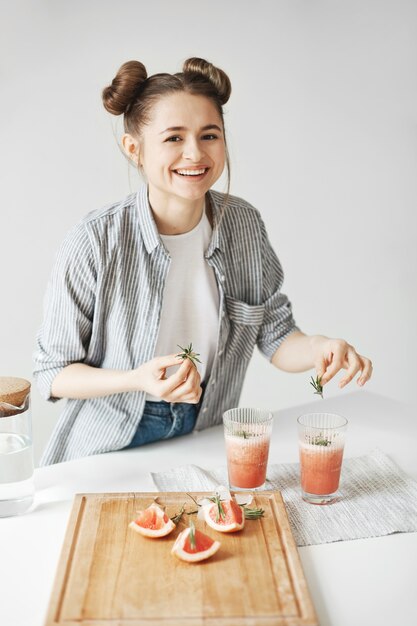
(181, 386)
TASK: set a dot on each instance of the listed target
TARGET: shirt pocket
(244, 321)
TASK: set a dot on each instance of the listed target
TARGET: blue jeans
(164, 420)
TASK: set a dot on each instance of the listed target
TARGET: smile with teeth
(192, 172)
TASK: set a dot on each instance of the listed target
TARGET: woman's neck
(175, 215)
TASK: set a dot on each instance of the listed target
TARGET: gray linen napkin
(377, 498)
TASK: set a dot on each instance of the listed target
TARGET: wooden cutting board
(109, 575)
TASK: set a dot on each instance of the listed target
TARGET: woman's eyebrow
(208, 127)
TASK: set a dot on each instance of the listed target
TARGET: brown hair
(134, 94)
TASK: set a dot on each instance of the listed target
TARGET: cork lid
(13, 390)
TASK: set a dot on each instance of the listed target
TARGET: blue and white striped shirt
(103, 302)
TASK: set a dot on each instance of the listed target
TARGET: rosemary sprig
(242, 433)
(178, 516)
(192, 535)
(252, 513)
(249, 513)
(220, 512)
(317, 385)
(193, 499)
(319, 440)
(188, 353)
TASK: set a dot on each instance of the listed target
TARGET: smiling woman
(174, 263)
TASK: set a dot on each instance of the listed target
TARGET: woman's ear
(131, 148)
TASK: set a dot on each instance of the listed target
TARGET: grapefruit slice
(226, 516)
(192, 545)
(152, 522)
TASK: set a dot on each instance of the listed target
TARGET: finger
(193, 397)
(190, 398)
(366, 371)
(169, 360)
(178, 377)
(336, 365)
(354, 365)
(184, 394)
(190, 387)
(320, 366)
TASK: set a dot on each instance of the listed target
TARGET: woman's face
(198, 144)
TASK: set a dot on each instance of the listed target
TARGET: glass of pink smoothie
(247, 435)
(321, 438)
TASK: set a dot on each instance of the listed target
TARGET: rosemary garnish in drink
(242, 433)
(317, 385)
(187, 353)
(319, 440)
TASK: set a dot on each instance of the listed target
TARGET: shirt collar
(147, 223)
(217, 218)
(149, 229)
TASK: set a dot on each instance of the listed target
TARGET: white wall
(322, 133)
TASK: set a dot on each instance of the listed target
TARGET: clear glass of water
(16, 455)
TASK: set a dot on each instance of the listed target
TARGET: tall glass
(16, 457)
(321, 438)
(247, 435)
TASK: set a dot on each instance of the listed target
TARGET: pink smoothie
(320, 468)
(247, 460)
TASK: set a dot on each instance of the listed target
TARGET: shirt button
(220, 352)
(205, 410)
(213, 382)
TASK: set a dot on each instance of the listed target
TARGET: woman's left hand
(332, 355)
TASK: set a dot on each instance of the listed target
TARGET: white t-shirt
(190, 306)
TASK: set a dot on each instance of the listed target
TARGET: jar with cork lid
(16, 452)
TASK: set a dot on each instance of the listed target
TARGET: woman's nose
(192, 150)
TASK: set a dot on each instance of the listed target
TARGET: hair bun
(215, 75)
(124, 87)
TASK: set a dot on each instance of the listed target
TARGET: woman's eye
(174, 138)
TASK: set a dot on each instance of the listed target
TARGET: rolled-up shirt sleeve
(278, 321)
(68, 308)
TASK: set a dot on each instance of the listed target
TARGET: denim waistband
(164, 420)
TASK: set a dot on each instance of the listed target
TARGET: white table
(354, 583)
